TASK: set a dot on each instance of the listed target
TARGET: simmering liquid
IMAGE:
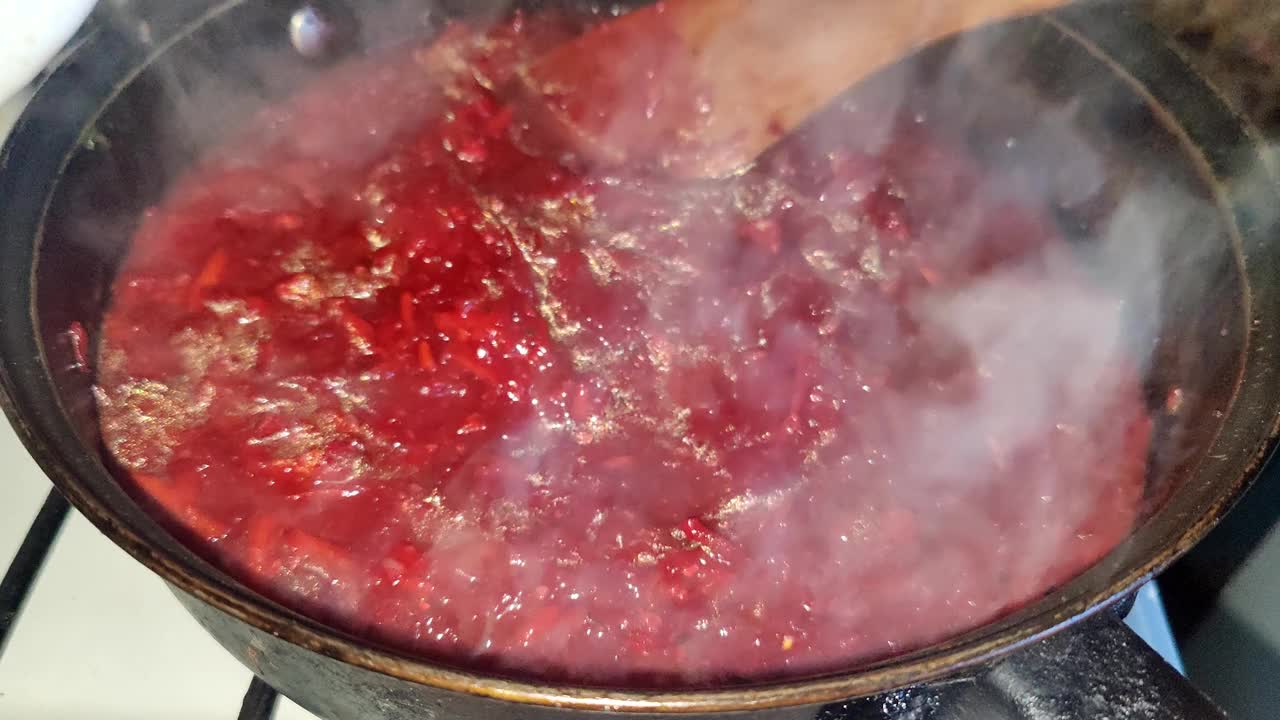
(388, 363)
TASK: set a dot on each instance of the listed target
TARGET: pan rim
(970, 650)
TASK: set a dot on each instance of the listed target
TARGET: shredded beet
(387, 365)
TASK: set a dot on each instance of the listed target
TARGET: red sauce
(391, 369)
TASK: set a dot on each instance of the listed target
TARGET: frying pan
(147, 88)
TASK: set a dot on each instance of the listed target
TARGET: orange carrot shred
(359, 330)
(261, 540)
(203, 525)
(178, 501)
(426, 360)
(210, 275)
(451, 323)
(621, 462)
(162, 491)
(406, 313)
(321, 552)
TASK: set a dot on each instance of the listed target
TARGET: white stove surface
(101, 637)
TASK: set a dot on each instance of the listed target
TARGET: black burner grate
(260, 699)
(259, 702)
(24, 569)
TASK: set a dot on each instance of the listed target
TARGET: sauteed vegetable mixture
(388, 360)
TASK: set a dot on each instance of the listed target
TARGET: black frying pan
(140, 96)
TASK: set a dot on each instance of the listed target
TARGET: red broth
(389, 368)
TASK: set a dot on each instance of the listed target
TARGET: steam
(981, 449)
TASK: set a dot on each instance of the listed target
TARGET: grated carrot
(426, 360)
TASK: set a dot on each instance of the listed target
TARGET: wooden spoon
(701, 87)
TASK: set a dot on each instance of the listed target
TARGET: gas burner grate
(259, 700)
(21, 575)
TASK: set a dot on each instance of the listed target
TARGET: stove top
(85, 631)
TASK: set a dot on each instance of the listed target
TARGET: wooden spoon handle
(770, 64)
(758, 68)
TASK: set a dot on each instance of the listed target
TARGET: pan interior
(145, 132)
